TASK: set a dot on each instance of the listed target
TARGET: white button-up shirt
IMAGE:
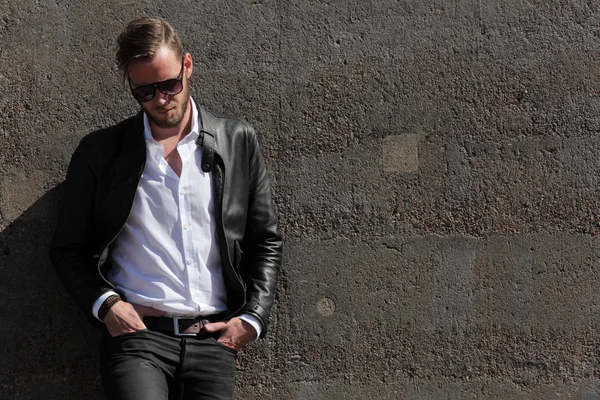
(167, 254)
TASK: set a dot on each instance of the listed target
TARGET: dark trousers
(149, 365)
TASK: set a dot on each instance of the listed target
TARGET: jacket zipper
(103, 254)
(222, 235)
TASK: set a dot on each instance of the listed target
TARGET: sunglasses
(170, 87)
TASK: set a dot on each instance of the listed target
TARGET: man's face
(165, 111)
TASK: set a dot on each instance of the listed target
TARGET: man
(168, 233)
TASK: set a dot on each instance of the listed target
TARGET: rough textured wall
(436, 172)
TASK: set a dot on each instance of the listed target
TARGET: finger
(215, 326)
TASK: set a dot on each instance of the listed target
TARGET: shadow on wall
(48, 350)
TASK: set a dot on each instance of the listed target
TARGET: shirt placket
(190, 259)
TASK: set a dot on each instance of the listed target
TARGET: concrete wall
(436, 173)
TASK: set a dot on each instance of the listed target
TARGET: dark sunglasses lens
(143, 93)
(170, 87)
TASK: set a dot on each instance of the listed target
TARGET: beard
(175, 116)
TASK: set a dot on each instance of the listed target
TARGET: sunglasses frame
(156, 85)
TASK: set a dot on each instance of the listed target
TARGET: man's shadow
(48, 349)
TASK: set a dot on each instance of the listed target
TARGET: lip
(165, 111)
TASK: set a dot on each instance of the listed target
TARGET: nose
(160, 98)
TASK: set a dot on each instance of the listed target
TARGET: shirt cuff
(99, 301)
(252, 320)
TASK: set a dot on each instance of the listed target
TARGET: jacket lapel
(127, 171)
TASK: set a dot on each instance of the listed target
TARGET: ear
(188, 64)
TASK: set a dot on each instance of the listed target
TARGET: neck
(180, 131)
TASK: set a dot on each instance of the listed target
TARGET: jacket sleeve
(72, 250)
(262, 250)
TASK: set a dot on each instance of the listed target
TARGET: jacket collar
(210, 124)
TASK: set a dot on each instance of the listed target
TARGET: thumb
(215, 326)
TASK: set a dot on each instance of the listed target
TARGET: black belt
(179, 326)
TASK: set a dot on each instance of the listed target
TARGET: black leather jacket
(99, 191)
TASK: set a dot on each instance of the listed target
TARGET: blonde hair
(142, 38)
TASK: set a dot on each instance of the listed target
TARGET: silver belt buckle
(176, 328)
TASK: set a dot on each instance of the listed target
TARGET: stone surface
(435, 170)
(400, 153)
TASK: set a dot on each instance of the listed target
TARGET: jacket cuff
(257, 311)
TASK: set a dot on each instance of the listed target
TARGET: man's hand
(235, 333)
(125, 318)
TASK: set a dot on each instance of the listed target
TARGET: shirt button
(182, 191)
(189, 261)
(186, 226)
